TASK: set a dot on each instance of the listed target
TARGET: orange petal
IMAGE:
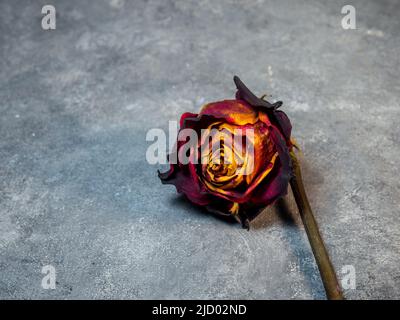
(233, 111)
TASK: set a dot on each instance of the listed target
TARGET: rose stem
(328, 275)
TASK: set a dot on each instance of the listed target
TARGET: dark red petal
(185, 183)
(284, 124)
(185, 116)
(245, 94)
(269, 191)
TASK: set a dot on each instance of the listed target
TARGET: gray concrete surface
(76, 191)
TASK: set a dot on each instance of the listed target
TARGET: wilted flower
(222, 174)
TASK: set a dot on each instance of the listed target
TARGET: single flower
(224, 176)
(239, 161)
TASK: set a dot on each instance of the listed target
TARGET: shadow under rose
(295, 236)
(282, 212)
(184, 203)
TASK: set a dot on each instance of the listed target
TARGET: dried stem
(328, 275)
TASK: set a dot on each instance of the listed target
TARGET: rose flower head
(234, 156)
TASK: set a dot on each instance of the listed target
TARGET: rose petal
(185, 183)
(185, 116)
(284, 124)
(270, 190)
(245, 94)
(233, 111)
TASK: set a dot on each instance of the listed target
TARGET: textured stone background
(76, 103)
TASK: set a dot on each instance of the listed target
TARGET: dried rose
(225, 187)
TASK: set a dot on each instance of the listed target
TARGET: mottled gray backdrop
(76, 191)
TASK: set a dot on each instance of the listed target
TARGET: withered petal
(185, 183)
(277, 117)
(184, 116)
(245, 94)
(233, 111)
(270, 190)
(284, 124)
